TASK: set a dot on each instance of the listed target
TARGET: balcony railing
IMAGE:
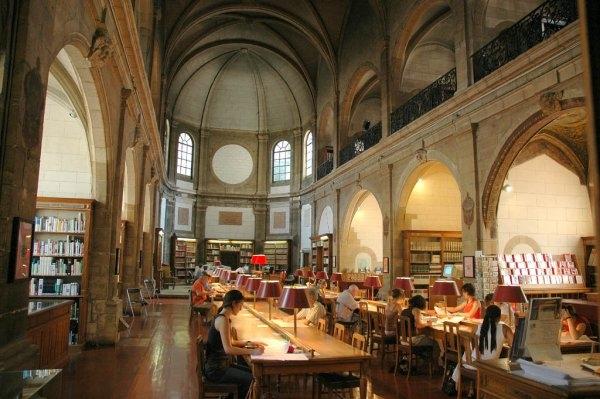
(532, 29)
(424, 101)
(325, 168)
(361, 143)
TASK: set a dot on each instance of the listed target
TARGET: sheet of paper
(284, 357)
(287, 324)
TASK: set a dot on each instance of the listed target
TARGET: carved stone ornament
(102, 47)
(550, 102)
(468, 207)
(421, 153)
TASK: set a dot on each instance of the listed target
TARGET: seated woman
(392, 311)
(316, 311)
(573, 326)
(200, 292)
(416, 305)
(471, 306)
(493, 334)
(220, 346)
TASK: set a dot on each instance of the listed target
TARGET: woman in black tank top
(220, 346)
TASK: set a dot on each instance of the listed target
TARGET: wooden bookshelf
(59, 267)
(590, 261)
(321, 252)
(279, 254)
(183, 254)
(236, 252)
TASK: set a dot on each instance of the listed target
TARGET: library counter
(48, 328)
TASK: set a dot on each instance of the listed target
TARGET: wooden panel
(279, 219)
(230, 218)
(49, 330)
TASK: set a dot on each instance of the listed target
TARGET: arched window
(308, 154)
(282, 157)
(185, 149)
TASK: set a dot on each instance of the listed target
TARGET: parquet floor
(158, 360)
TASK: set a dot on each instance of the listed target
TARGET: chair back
(322, 325)
(149, 287)
(404, 331)
(200, 359)
(338, 331)
(135, 295)
(363, 293)
(450, 340)
(378, 320)
(359, 341)
(365, 318)
(469, 347)
(330, 319)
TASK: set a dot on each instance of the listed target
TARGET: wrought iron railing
(424, 101)
(361, 143)
(532, 29)
(325, 168)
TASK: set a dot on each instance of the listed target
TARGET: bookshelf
(321, 252)
(591, 260)
(232, 253)
(184, 257)
(278, 254)
(425, 252)
(59, 266)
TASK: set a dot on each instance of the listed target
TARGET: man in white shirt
(315, 312)
(346, 304)
(240, 270)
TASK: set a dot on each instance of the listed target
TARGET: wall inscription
(230, 218)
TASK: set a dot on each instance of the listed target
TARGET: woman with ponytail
(492, 335)
(220, 346)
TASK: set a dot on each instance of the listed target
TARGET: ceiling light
(73, 114)
(508, 188)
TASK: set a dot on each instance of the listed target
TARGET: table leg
(363, 379)
(257, 391)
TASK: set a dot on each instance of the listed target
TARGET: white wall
(279, 207)
(326, 221)
(65, 167)
(305, 227)
(548, 208)
(362, 243)
(185, 208)
(214, 230)
(434, 203)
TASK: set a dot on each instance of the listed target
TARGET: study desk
(330, 354)
(495, 380)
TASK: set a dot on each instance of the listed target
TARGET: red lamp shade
(444, 287)
(293, 298)
(404, 283)
(230, 275)
(259, 260)
(308, 273)
(241, 280)
(217, 271)
(269, 289)
(510, 294)
(298, 273)
(336, 277)
(322, 275)
(253, 283)
(373, 282)
(222, 274)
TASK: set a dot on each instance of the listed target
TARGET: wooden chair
(378, 336)
(166, 277)
(450, 345)
(322, 326)
(206, 387)
(405, 346)
(365, 319)
(359, 341)
(205, 312)
(136, 297)
(151, 292)
(330, 322)
(468, 346)
(339, 331)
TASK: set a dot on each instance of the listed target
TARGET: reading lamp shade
(222, 274)
(298, 273)
(444, 287)
(259, 260)
(373, 282)
(336, 277)
(510, 294)
(322, 275)
(269, 289)
(241, 280)
(404, 283)
(293, 298)
(253, 283)
(308, 273)
(230, 275)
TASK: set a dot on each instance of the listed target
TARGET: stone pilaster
(260, 226)
(263, 163)
(385, 81)
(200, 231)
(295, 225)
(298, 161)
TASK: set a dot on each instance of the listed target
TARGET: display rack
(425, 251)
(321, 252)
(486, 270)
(236, 252)
(278, 254)
(59, 267)
(591, 261)
(184, 257)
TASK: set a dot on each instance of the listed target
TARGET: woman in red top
(471, 306)
(199, 293)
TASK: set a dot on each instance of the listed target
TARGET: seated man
(316, 311)
(240, 270)
(346, 305)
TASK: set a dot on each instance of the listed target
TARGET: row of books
(55, 287)
(56, 267)
(421, 258)
(453, 257)
(416, 245)
(55, 224)
(546, 280)
(453, 246)
(69, 247)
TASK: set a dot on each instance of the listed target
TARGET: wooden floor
(158, 361)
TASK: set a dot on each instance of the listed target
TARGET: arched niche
(326, 221)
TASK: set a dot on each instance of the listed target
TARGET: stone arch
(362, 81)
(510, 149)
(326, 225)
(521, 240)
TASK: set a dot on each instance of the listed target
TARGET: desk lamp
(444, 288)
(293, 298)
(509, 294)
(252, 285)
(259, 260)
(337, 279)
(372, 282)
(269, 289)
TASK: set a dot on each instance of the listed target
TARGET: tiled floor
(158, 361)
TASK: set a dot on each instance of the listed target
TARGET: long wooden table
(330, 354)
(495, 380)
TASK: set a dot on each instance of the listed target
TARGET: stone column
(385, 82)
(462, 49)
(298, 161)
(203, 162)
(260, 226)
(262, 163)
(295, 225)
(336, 128)
(200, 231)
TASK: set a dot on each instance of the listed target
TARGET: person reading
(220, 346)
(200, 292)
(346, 305)
(392, 311)
(416, 306)
(573, 326)
(316, 311)
(471, 306)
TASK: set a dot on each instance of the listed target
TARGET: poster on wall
(22, 243)
(469, 266)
